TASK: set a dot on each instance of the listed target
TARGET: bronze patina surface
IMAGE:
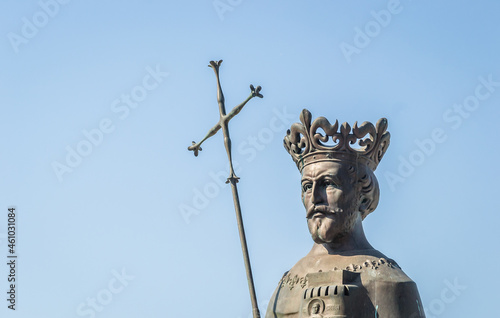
(342, 275)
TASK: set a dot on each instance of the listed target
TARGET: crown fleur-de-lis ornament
(307, 145)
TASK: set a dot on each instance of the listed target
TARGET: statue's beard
(326, 229)
(319, 231)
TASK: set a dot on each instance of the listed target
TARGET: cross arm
(255, 92)
(236, 110)
(195, 147)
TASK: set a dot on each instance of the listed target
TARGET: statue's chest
(324, 294)
(333, 287)
(288, 301)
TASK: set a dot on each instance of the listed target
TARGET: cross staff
(233, 179)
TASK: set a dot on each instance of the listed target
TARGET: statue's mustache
(322, 209)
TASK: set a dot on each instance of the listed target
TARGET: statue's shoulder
(373, 262)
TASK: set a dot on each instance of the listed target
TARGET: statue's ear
(364, 205)
(368, 204)
(369, 193)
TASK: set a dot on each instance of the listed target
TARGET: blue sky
(101, 100)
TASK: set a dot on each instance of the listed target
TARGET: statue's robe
(352, 285)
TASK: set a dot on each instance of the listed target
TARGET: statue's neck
(350, 242)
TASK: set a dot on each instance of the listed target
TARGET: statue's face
(315, 309)
(330, 198)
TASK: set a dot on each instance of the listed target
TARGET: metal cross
(233, 179)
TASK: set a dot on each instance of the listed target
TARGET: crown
(306, 145)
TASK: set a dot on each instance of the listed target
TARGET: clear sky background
(117, 219)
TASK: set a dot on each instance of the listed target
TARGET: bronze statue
(343, 275)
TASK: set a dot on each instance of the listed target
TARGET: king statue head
(339, 188)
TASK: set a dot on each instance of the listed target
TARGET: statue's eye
(327, 183)
(306, 187)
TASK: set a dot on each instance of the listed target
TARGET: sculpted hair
(367, 188)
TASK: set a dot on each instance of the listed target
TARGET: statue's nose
(317, 194)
